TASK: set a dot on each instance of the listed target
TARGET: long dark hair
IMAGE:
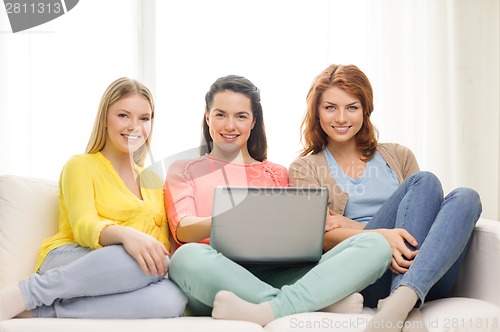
(257, 142)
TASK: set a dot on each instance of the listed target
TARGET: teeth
(230, 136)
(131, 137)
(341, 128)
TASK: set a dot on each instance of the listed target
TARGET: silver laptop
(269, 225)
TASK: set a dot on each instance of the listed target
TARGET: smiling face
(340, 116)
(128, 124)
(230, 121)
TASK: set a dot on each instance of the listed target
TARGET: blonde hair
(120, 88)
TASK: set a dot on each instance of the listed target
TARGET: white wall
(434, 66)
(51, 80)
(266, 41)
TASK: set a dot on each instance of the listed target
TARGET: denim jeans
(442, 228)
(78, 282)
(347, 268)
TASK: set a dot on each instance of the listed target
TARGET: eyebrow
(220, 110)
(350, 104)
(128, 112)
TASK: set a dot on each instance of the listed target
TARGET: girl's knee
(376, 252)
(115, 251)
(374, 238)
(468, 198)
(429, 178)
(426, 175)
(188, 260)
(376, 245)
(467, 194)
(189, 251)
(124, 264)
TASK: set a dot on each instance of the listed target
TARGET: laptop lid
(260, 225)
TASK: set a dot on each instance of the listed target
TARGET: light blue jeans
(347, 268)
(442, 228)
(78, 282)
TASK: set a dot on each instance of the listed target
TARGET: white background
(434, 66)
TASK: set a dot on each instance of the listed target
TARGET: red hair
(355, 83)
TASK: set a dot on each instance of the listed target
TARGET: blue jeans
(78, 282)
(442, 228)
(347, 268)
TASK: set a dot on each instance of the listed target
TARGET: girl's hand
(402, 256)
(148, 252)
(336, 220)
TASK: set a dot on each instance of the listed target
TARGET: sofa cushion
(455, 314)
(321, 322)
(459, 314)
(119, 325)
(28, 214)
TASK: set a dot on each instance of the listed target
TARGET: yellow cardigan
(92, 196)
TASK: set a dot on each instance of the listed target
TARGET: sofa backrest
(29, 211)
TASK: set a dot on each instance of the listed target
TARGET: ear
(207, 118)
(253, 123)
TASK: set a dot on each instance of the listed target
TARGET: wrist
(112, 234)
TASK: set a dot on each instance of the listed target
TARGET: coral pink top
(190, 184)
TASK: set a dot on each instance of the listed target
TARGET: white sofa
(29, 210)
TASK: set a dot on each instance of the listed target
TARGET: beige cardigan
(313, 171)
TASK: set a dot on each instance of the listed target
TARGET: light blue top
(370, 191)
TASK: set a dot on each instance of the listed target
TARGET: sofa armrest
(29, 211)
(480, 274)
